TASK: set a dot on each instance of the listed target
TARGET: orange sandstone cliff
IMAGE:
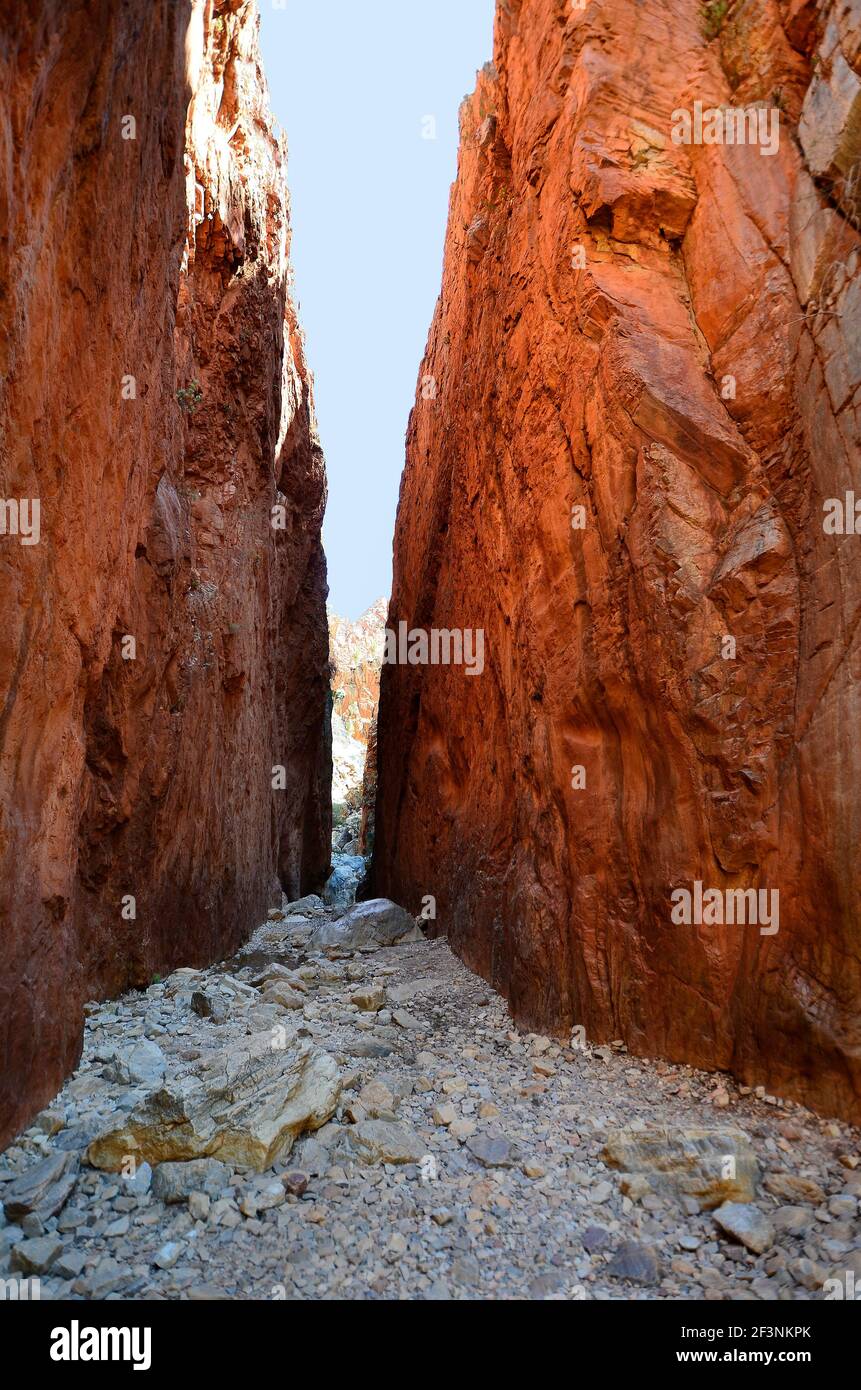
(642, 421)
(163, 645)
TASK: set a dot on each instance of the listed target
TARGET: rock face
(244, 1106)
(637, 413)
(163, 646)
(369, 794)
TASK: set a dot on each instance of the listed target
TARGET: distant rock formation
(356, 653)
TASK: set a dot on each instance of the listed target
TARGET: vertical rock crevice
(163, 647)
(646, 394)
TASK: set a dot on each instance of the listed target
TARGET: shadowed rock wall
(163, 647)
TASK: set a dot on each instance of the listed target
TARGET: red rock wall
(598, 379)
(369, 794)
(165, 258)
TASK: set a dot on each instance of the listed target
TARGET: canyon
(645, 375)
(613, 768)
(163, 647)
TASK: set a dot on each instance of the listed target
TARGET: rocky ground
(456, 1157)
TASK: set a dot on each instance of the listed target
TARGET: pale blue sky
(351, 85)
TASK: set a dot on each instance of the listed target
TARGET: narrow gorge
(502, 942)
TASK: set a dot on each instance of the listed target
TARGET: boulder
(789, 1188)
(348, 870)
(714, 1166)
(244, 1104)
(370, 999)
(378, 922)
(492, 1150)
(207, 1003)
(43, 1189)
(284, 995)
(378, 1100)
(37, 1255)
(635, 1262)
(144, 1064)
(175, 1182)
(385, 1141)
(746, 1224)
(310, 903)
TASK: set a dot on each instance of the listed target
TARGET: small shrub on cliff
(714, 14)
(189, 397)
